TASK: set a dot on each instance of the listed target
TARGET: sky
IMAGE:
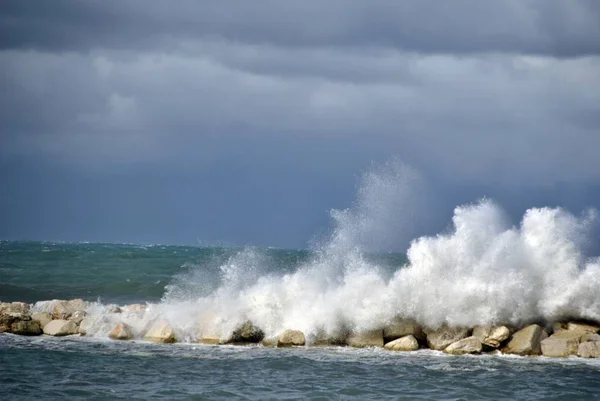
(246, 122)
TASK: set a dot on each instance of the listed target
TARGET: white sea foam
(483, 270)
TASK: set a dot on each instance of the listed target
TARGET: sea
(484, 268)
(100, 369)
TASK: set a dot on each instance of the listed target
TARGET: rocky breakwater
(569, 338)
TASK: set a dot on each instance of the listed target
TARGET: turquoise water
(96, 368)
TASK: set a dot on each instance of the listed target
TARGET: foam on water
(482, 270)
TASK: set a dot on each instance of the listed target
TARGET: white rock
(78, 316)
(160, 332)
(560, 345)
(526, 341)
(406, 343)
(291, 338)
(469, 345)
(492, 336)
(121, 332)
(440, 338)
(42, 317)
(61, 327)
(589, 349)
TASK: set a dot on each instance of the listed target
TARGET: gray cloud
(501, 94)
(552, 27)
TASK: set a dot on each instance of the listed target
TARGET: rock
(589, 349)
(401, 328)
(113, 308)
(210, 339)
(322, 339)
(575, 326)
(590, 337)
(469, 345)
(62, 310)
(561, 345)
(247, 333)
(134, 308)
(26, 328)
(439, 339)
(373, 338)
(406, 343)
(12, 312)
(291, 338)
(526, 341)
(85, 325)
(78, 316)
(61, 327)
(43, 318)
(160, 332)
(121, 332)
(210, 329)
(586, 327)
(492, 336)
(270, 341)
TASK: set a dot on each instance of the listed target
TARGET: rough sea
(484, 269)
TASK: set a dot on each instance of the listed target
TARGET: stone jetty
(559, 339)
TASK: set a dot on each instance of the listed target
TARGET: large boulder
(560, 345)
(526, 341)
(589, 349)
(134, 308)
(247, 333)
(440, 338)
(85, 325)
(12, 312)
(160, 332)
(469, 345)
(406, 343)
(121, 332)
(586, 327)
(26, 328)
(590, 337)
(372, 338)
(62, 309)
(401, 328)
(43, 318)
(291, 338)
(61, 327)
(491, 336)
(270, 341)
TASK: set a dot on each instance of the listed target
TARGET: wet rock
(78, 316)
(291, 338)
(439, 339)
(372, 338)
(61, 327)
(401, 328)
(26, 328)
(160, 332)
(589, 349)
(62, 310)
(491, 336)
(43, 318)
(85, 325)
(247, 333)
(133, 308)
(590, 337)
(12, 312)
(585, 327)
(526, 341)
(322, 339)
(469, 345)
(406, 343)
(270, 341)
(113, 308)
(561, 344)
(121, 332)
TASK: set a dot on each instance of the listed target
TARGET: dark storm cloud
(553, 27)
(247, 122)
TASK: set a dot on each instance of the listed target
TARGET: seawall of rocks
(552, 339)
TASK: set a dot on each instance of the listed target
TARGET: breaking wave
(482, 270)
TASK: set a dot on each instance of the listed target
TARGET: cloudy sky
(245, 122)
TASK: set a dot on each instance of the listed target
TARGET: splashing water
(482, 271)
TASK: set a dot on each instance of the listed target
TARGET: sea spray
(482, 270)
